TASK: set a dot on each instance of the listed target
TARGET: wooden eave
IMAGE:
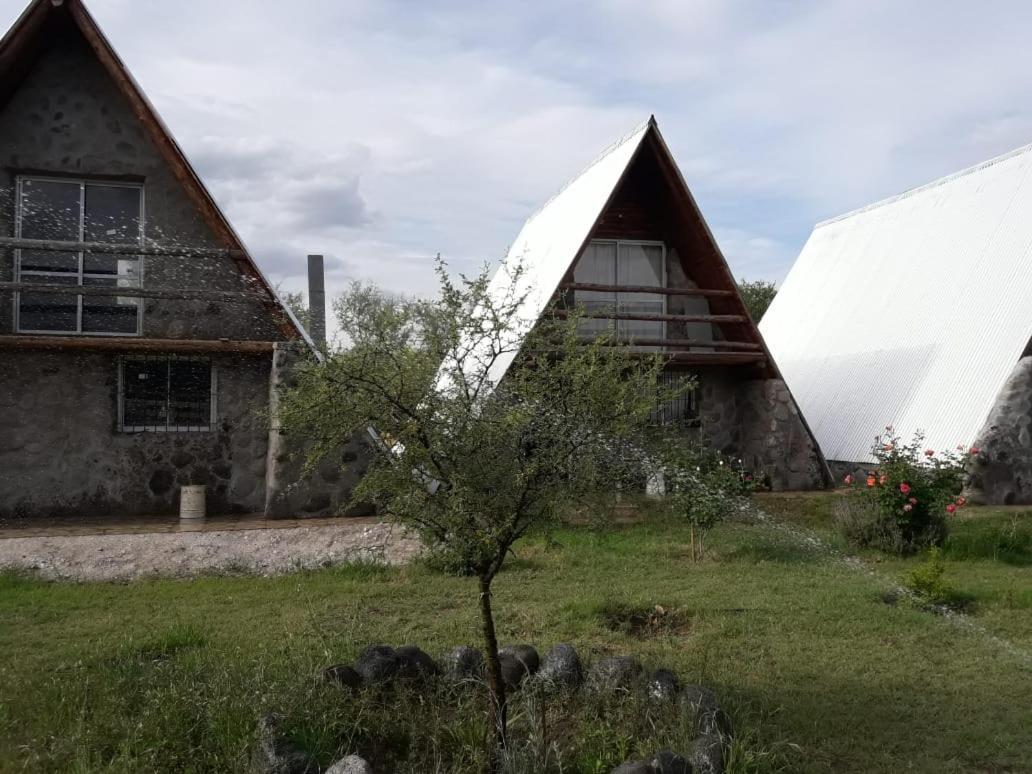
(134, 344)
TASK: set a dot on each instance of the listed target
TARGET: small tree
(469, 463)
(703, 487)
(757, 296)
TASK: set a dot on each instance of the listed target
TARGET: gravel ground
(181, 554)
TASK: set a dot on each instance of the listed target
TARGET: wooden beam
(666, 343)
(708, 318)
(646, 289)
(132, 344)
(95, 290)
(62, 246)
(710, 358)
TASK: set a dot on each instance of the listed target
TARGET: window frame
(614, 325)
(80, 275)
(213, 414)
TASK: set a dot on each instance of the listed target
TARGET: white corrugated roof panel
(550, 240)
(911, 312)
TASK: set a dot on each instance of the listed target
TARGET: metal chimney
(317, 300)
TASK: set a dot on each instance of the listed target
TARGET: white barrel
(191, 501)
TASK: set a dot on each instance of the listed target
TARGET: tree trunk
(692, 532)
(494, 672)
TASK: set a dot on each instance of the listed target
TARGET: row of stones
(521, 666)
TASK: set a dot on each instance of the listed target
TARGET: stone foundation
(1001, 474)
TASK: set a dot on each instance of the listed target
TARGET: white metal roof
(550, 241)
(910, 312)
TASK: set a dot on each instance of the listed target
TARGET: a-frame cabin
(626, 240)
(138, 338)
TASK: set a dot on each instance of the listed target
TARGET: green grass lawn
(819, 673)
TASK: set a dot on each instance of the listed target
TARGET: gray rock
(378, 663)
(701, 704)
(525, 654)
(463, 663)
(634, 767)
(350, 765)
(517, 662)
(344, 676)
(708, 755)
(416, 663)
(613, 673)
(667, 762)
(561, 667)
(663, 685)
(274, 754)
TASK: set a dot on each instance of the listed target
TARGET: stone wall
(757, 421)
(61, 453)
(290, 489)
(1001, 474)
(773, 441)
(67, 118)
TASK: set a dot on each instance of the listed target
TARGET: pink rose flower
(913, 501)
(904, 488)
(951, 508)
(908, 507)
(848, 480)
(929, 452)
(975, 450)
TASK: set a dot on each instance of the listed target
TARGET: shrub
(903, 504)
(704, 487)
(926, 579)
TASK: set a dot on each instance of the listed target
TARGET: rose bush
(907, 498)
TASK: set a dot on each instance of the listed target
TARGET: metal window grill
(681, 411)
(166, 393)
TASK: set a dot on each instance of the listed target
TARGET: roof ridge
(927, 186)
(607, 151)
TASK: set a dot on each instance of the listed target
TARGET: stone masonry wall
(756, 420)
(773, 440)
(1001, 474)
(290, 490)
(60, 452)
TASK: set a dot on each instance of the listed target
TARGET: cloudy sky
(381, 133)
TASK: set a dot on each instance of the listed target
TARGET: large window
(166, 394)
(624, 263)
(78, 211)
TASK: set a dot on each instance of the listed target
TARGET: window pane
(50, 210)
(112, 214)
(597, 266)
(109, 314)
(41, 311)
(45, 260)
(189, 393)
(144, 393)
(640, 265)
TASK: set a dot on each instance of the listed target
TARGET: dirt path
(119, 557)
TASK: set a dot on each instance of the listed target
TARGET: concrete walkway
(130, 550)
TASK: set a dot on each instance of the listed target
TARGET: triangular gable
(911, 312)
(17, 52)
(553, 238)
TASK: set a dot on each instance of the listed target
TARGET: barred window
(681, 411)
(162, 393)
